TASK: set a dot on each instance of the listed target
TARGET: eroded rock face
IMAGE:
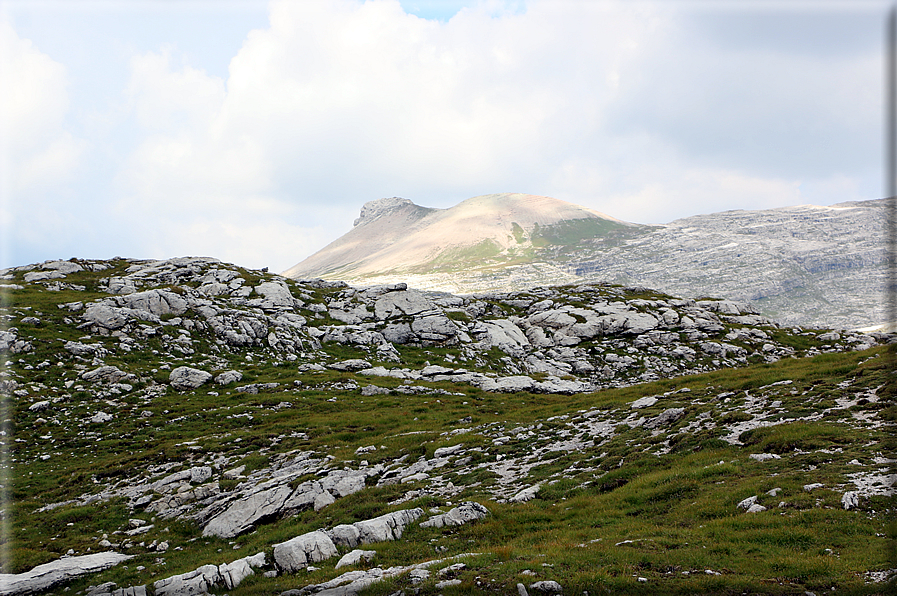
(242, 514)
(158, 302)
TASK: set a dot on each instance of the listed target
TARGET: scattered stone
(747, 503)
(764, 456)
(465, 512)
(355, 557)
(643, 402)
(256, 388)
(526, 494)
(106, 374)
(419, 576)
(201, 580)
(352, 365)
(850, 500)
(547, 587)
(369, 390)
(100, 418)
(665, 418)
(446, 451)
(228, 377)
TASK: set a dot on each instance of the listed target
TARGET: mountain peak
(379, 207)
(394, 235)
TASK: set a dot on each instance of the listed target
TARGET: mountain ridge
(803, 265)
(396, 235)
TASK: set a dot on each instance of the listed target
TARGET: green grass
(671, 493)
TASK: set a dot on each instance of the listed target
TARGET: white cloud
(646, 111)
(343, 102)
(38, 157)
(36, 152)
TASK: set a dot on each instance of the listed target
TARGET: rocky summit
(186, 426)
(802, 265)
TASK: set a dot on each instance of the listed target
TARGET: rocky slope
(138, 392)
(395, 236)
(804, 265)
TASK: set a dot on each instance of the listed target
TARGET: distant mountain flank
(396, 237)
(802, 265)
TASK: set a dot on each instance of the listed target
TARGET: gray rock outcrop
(183, 378)
(299, 552)
(43, 577)
(458, 516)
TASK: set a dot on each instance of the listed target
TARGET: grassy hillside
(628, 501)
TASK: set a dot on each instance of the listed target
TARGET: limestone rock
(234, 573)
(43, 577)
(666, 418)
(297, 553)
(185, 377)
(105, 316)
(242, 514)
(228, 377)
(80, 349)
(157, 302)
(353, 364)
(345, 535)
(547, 587)
(386, 527)
(764, 456)
(42, 276)
(643, 402)
(100, 418)
(355, 557)
(458, 516)
(405, 302)
(198, 581)
(446, 451)
(276, 294)
(256, 388)
(850, 500)
(746, 503)
(323, 499)
(106, 374)
(506, 384)
(526, 494)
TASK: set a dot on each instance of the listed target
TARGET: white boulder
(297, 553)
(185, 377)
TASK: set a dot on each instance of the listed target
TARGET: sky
(253, 132)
